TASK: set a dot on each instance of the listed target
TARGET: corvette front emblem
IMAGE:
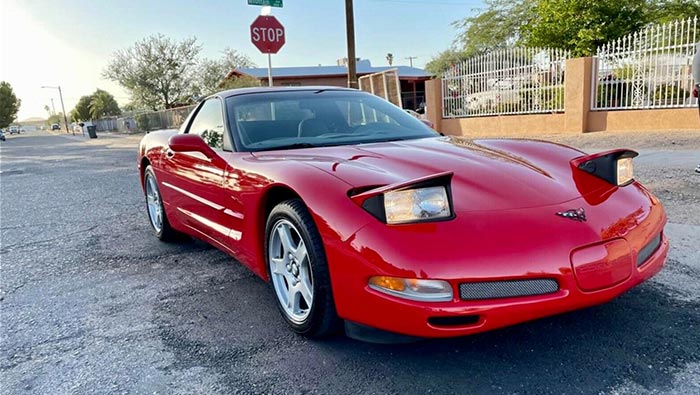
(575, 214)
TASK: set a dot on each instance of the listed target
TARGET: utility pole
(410, 59)
(60, 94)
(350, 29)
(65, 118)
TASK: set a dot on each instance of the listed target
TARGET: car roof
(246, 91)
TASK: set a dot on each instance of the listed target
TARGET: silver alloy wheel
(155, 209)
(290, 269)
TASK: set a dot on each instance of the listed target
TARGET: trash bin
(92, 131)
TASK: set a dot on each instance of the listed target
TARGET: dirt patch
(681, 140)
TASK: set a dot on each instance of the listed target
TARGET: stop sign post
(267, 34)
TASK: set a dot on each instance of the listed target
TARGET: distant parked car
(2, 135)
(55, 126)
(14, 129)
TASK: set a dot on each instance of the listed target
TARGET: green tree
(55, 118)
(210, 72)
(235, 60)
(102, 104)
(444, 60)
(499, 25)
(663, 11)
(244, 81)
(577, 25)
(583, 25)
(9, 104)
(156, 70)
(81, 112)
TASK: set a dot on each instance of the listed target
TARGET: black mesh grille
(648, 250)
(507, 289)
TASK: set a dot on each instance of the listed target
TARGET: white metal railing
(509, 81)
(647, 69)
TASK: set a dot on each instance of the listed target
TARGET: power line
(410, 59)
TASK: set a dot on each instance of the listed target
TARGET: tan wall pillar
(577, 100)
(433, 102)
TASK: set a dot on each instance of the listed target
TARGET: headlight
(413, 288)
(413, 205)
(625, 171)
(614, 166)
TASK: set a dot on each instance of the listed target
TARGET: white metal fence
(510, 81)
(146, 121)
(647, 69)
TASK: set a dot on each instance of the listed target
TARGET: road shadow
(643, 337)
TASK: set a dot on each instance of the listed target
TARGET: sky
(69, 42)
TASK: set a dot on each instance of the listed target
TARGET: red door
(195, 183)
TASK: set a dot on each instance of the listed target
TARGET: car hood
(487, 174)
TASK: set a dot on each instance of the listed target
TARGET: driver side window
(209, 123)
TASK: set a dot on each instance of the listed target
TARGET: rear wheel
(298, 270)
(156, 211)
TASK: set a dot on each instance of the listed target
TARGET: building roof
(246, 91)
(363, 67)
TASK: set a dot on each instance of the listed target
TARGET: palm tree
(390, 58)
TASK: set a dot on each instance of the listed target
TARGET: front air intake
(507, 289)
(648, 250)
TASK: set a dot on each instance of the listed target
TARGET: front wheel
(298, 270)
(156, 211)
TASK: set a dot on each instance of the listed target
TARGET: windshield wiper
(292, 146)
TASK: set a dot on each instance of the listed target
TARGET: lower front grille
(648, 250)
(507, 289)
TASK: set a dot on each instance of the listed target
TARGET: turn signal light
(423, 290)
(392, 283)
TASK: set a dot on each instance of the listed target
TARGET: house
(412, 79)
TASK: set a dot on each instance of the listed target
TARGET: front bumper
(541, 253)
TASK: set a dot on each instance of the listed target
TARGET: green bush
(143, 122)
(670, 95)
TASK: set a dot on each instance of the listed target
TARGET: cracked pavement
(92, 303)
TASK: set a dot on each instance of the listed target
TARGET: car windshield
(317, 118)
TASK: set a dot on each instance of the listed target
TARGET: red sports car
(358, 213)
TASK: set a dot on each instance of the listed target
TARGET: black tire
(322, 319)
(166, 233)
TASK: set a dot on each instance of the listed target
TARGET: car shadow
(643, 337)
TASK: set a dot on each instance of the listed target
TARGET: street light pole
(60, 94)
(350, 28)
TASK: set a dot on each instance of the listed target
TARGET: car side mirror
(190, 143)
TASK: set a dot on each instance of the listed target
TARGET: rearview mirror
(190, 143)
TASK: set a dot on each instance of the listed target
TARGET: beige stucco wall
(504, 125)
(577, 118)
(644, 120)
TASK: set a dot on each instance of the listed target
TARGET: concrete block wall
(576, 118)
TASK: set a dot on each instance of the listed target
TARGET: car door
(195, 181)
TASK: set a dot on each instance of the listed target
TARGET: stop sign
(267, 33)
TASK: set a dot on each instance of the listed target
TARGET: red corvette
(358, 213)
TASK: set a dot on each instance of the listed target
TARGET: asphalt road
(92, 303)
